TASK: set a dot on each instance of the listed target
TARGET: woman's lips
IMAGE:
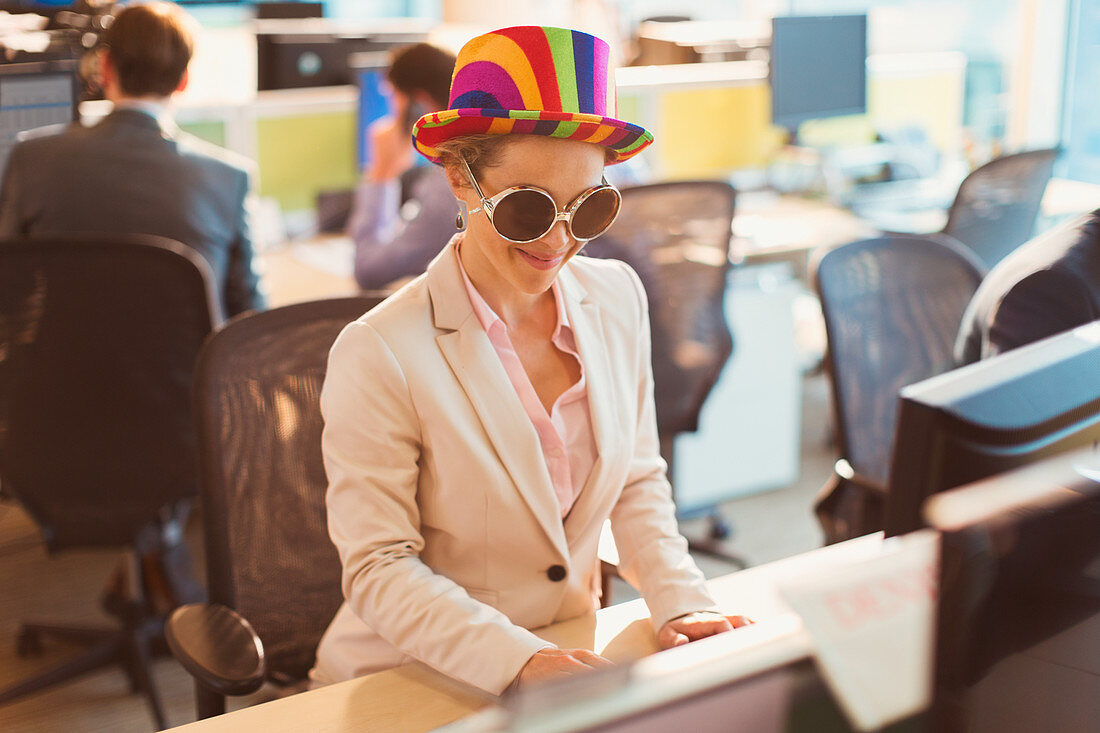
(541, 263)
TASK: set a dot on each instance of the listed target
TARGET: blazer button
(555, 573)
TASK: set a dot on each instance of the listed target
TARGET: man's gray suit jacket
(128, 174)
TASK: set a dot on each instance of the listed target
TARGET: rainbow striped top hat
(537, 81)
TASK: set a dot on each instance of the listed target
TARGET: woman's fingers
(670, 636)
(554, 663)
(591, 658)
(692, 626)
(739, 621)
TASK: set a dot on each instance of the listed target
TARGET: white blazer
(439, 499)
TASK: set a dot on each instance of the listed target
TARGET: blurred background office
(826, 122)
(949, 84)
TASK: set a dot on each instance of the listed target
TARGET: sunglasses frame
(489, 205)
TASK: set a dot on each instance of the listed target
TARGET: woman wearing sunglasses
(484, 422)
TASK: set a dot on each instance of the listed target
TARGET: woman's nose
(558, 237)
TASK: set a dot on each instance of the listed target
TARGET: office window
(1081, 129)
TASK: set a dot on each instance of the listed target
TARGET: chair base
(130, 648)
(719, 530)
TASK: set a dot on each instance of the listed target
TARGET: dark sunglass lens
(524, 215)
(595, 214)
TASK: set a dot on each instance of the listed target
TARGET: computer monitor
(993, 416)
(32, 96)
(268, 9)
(309, 53)
(1018, 624)
(818, 68)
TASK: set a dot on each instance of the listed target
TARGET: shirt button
(557, 453)
(555, 573)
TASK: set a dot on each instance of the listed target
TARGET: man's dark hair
(149, 46)
(423, 67)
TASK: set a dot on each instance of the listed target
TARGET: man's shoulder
(50, 139)
(208, 154)
(48, 131)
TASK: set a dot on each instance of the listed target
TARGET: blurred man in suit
(1049, 285)
(135, 172)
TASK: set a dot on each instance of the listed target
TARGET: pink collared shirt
(565, 434)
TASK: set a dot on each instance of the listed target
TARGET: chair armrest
(845, 471)
(218, 647)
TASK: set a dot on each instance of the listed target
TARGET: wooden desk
(415, 698)
(309, 270)
(769, 227)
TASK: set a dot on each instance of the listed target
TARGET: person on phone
(402, 214)
(484, 421)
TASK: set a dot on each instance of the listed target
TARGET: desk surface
(415, 698)
(317, 268)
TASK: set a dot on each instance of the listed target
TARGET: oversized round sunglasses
(523, 214)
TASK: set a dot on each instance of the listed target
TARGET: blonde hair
(482, 151)
(479, 151)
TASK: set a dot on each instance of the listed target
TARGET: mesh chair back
(892, 307)
(269, 556)
(676, 236)
(995, 209)
(98, 340)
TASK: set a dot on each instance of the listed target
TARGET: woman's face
(563, 168)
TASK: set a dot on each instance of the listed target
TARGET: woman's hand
(390, 149)
(699, 625)
(549, 664)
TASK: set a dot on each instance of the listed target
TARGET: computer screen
(993, 416)
(790, 698)
(374, 104)
(818, 68)
(1018, 625)
(267, 9)
(33, 96)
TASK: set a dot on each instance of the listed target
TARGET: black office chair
(676, 236)
(995, 209)
(98, 338)
(269, 558)
(892, 307)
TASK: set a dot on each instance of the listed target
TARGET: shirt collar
(156, 110)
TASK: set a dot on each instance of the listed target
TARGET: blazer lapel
(471, 356)
(587, 325)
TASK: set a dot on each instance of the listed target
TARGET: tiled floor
(766, 527)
